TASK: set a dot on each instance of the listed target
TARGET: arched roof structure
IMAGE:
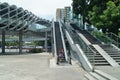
(16, 18)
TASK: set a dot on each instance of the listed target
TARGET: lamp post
(79, 20)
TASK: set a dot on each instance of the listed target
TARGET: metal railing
(101, 37)
(86, 48)
(114, 39)
(63, 41)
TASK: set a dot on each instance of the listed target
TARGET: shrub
(35, 50)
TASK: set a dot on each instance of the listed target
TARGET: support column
(52, 42)
(46, 37)
(3, 41)
(20, 42)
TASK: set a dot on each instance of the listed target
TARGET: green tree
(95, 10)
(76, 5)
(81, 7)
(111, 17)
(106, 18)
(103, 14)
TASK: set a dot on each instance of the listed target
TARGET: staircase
(92, 54)
(90, 37)
(96, 58)
(75, 27)
(112, 51)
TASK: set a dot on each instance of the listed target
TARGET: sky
(42, 8)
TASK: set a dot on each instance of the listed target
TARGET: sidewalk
(37, 67)
(113, 71)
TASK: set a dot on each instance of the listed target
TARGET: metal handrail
(116, 38)
(84, 46)
(94, 53)
(63, 41)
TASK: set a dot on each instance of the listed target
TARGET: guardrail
(81, 45)
(63, 41)
(114, 39)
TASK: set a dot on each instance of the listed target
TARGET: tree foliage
(75, 5)
(81, 7)
(107, 19)
(103, 14)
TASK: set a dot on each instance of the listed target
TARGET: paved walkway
(37, 67)
(113, 71)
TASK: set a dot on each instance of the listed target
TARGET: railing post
(94, 61)
(3, 41)
(20, 41)
(46, 43)
(117, 42)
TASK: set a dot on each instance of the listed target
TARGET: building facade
(67, 14)
(58, 14)
(63, 14)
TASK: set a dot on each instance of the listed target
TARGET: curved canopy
(14, 18)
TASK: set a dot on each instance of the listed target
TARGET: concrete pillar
(3, 41)
(52, 42)
(20, 42)
(46, 37)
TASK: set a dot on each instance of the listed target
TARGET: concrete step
(118, 62)
(116, 58)
(88, 51)
(96, 58)
(98, 77)
(114, 52)
(100, 64)
(105, 75)
(94, 55)
(98, 61)
(106, 46)
(112, 49)
(115, 55)
(118, 54)
(89, 77)
(109, 47)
